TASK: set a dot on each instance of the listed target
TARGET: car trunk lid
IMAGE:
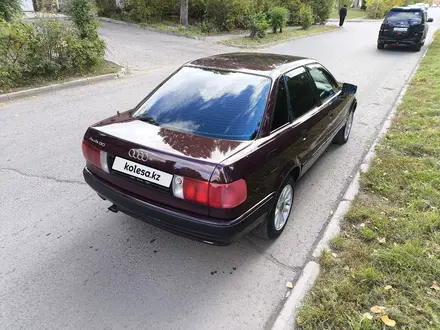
(143, 158)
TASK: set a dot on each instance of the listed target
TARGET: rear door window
(213, 103)
(281, 113)
(301, 94)
(325, 83)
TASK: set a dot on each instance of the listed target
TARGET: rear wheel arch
(295, 173)
(354, 105)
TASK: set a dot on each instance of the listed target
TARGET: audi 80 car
(215, 150)
(405, 26)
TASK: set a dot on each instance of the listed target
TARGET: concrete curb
(57, 87)
(286, 318)
(275, 43)
(148, 28)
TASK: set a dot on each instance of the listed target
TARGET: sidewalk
(383, 269)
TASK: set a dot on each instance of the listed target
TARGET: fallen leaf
(388, 287)
(334, 255)
(15, 115)
(331, 212)
(385, 319)
(435, 286)
(347, 268)
(367, 316)
(381, 240)
(289, 285)
(377, 309)
(362, 225)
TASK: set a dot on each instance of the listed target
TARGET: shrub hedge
(216, 15)
(49, 48)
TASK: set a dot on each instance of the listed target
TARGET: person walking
(342, 15)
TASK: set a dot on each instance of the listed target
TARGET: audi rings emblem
(138, 154)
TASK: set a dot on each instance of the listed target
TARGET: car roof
(271, 65)
(407, 9)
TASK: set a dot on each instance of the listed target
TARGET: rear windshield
(217, 104)
(408, 16)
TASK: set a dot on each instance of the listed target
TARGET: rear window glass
(408, 16)
(217, 104)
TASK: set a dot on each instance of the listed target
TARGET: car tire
(380, 45)
(344, 133)
(277, 219)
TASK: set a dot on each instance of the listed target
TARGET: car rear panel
(401, 30)
(172, 152)
(413, 32)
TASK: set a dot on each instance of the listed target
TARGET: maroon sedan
(215, 150)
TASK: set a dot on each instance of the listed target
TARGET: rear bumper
(392, 41)
(207, 230)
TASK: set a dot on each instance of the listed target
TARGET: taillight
(227, 196)
(223, 196)
(95, 156)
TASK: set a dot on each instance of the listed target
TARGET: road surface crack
(271, 258)
(41, 176)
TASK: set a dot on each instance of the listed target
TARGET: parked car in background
(404, 26)
(215, 150)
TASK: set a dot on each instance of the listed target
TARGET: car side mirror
(349, 88)
(430, 20)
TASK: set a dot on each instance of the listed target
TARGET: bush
(207, 27)
(142, 11)
(322, 10)
(258, 25)
(15, 37)
(48, 49)
(8, 8)
(293, 6)
(138, 11)
(306, 16)
(278, 18)
(224, 15)
(106, 8)
(83, 15)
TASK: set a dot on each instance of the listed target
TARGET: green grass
(190, 30)
(105, 68)
(391, 234)
(278, 37)
(352, 13)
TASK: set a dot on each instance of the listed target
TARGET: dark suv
(404, 26)
(215, 150)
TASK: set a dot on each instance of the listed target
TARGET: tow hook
(113, 208)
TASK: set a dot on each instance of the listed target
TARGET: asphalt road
(66, 262)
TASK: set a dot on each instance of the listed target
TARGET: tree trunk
(184, 12)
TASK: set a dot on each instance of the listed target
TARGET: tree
(184, 12)
(321, 10)
(278, 18)
(8, 8)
